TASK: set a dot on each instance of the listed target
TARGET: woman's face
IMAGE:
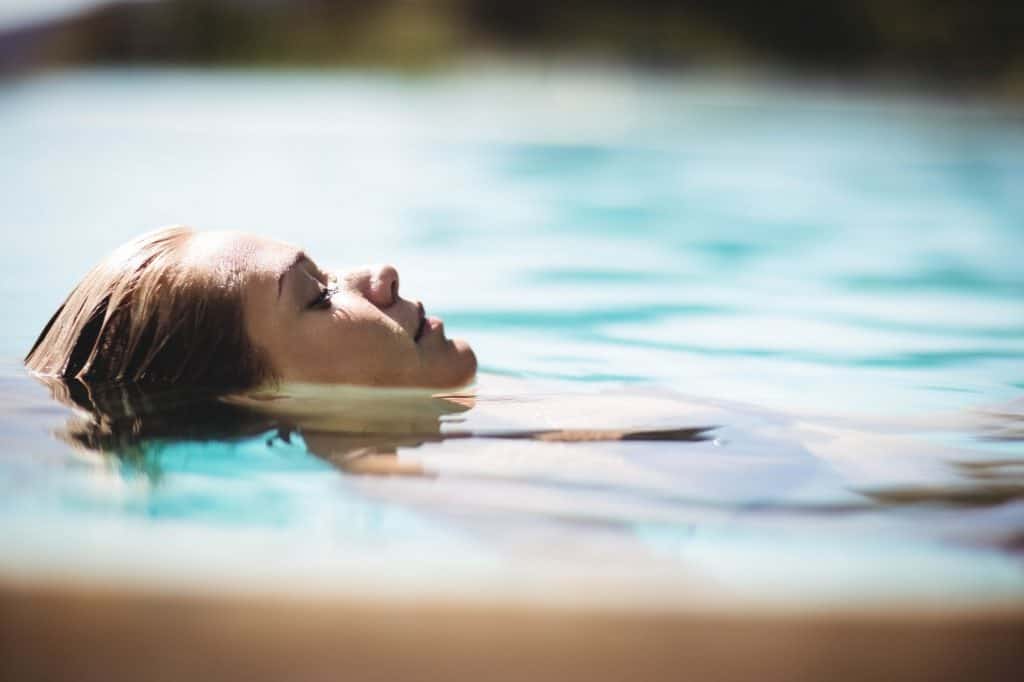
(352, 328)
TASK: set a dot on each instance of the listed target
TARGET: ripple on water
(833, 284)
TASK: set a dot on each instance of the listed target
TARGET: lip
(432, 324)
(421, 326)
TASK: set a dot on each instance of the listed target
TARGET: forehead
(242, 254)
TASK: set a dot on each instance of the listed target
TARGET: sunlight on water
(832, 281)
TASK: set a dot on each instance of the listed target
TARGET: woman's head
(231, 310)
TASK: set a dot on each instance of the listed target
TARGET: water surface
(830, 279)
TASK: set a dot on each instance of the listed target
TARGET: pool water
(832, 280)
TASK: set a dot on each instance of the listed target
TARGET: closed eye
(323, 298)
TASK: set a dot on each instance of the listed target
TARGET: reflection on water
(1004, 425)
(736, 340)
(358, 430)
(624, 478)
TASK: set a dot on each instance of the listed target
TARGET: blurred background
(961, 44)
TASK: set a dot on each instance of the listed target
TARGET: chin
(464, 363)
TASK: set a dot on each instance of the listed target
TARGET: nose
(378, 283)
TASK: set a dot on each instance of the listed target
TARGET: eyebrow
(300, 257)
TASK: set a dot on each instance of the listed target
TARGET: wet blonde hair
(143, 315)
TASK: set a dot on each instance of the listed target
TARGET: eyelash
(323, 299)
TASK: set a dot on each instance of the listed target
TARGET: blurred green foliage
(954, 42)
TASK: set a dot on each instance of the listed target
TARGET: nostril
(389, 283)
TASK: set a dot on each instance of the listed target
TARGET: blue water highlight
(831, 279)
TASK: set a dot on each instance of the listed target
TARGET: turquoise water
(832, 279)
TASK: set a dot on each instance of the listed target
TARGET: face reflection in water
(321, 327)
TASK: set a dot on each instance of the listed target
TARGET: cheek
(336, 347)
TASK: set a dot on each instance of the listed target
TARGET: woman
(233, 311)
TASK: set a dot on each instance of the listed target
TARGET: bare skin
(345, 328)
